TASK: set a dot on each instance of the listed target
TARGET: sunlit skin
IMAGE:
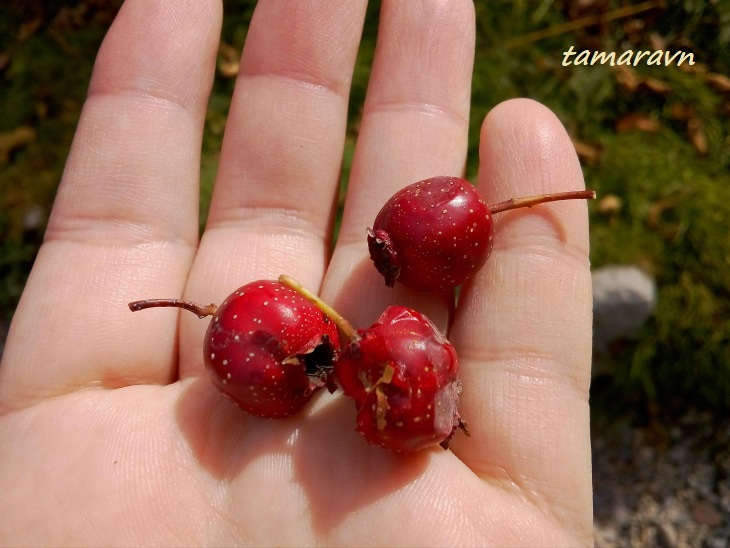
(111, 432)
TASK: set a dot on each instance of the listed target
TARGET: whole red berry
(267, 348)
(432, 235)
(403, 375)
(436, 233)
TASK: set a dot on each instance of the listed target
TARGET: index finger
(125, 220)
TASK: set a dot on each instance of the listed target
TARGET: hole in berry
(319, 361)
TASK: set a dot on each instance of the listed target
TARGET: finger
(124, 224)
(523, 327)
(273, 202)
(414, 126)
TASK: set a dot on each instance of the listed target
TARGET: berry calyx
(436, 233)
(402, 374)
(267, 348)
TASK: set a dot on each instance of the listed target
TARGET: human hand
(110, 431)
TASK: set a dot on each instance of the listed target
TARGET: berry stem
(529, 201)
(330, 312)
(198, 309)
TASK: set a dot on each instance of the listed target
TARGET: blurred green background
(654, 141)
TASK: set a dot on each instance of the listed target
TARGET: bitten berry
(267, 348)
(402, 374)
(437, 233)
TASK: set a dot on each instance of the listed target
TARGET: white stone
(624, 297)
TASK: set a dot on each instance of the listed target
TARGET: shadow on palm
(338, 472)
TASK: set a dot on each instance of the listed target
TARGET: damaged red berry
(267, 348)
(437, 233)
(402, 374)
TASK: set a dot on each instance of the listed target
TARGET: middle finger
(272, 205)
(414, 125)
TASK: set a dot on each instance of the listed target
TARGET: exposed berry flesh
(402, 374)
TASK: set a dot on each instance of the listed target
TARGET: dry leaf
(718, 81)
(631, 81)
(657, 209)
(15, 139)
(657, 42)
(682, 111)
(697, 68)
(228, 60)
(4, 62)
(627, 78)
(587, 153)
(637, 121)
(610, 204)
(656, 85)
(697, 135)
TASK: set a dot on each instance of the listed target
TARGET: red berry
(432, 234)
(402, 374)
(436, 233)
(267, 347)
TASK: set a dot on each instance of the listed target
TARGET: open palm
(111, 433)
